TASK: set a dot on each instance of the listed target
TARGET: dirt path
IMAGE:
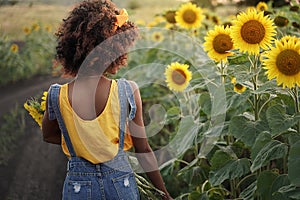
(37, 169)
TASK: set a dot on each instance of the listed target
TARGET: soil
(36, 169)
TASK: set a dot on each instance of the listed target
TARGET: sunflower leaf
(272, 150)
(264, 184)
(232, 169)
(280, 181)
(184, 137)
(248, 193)
(245, 129)
(260, 142)
(294, 163)
(279, 121)
(290, 191)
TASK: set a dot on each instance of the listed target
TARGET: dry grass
(14, 18)
(148, 8)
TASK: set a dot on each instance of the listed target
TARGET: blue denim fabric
(111, 180)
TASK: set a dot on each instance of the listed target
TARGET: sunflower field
(22, 59)
(222, 95)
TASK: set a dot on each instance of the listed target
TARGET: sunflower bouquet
(36, 108)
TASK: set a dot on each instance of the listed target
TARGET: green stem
(256, 108)
(223, 71)
(255, 86)
(233, 188)
(285, 161)
(296, 103)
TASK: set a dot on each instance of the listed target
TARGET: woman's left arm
(50, 128)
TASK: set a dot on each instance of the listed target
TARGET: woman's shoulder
(133, 84)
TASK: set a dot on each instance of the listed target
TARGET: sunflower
(157, 36)
(14, 48)
(218, 43)
(36, 108)
(283, 62)
(177, 76)
(239, 88)
(287, 38)
(36, 27)
(189, 16)
(251, 31)
(261, 6)
(27, 30)
(140, 22)
(48, 28)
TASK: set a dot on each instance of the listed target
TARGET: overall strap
(54, 113)
(123, 111)
(125, 97)
(130, 99)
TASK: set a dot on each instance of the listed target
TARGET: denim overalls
(111, 180)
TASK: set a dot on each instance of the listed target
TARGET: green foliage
(13, 126)
(294, 163)
(225, 144)
(220, 144)
(24, 59)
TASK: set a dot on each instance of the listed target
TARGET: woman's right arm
(142, 148)
(50, 128)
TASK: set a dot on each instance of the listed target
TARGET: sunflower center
(222, 43)
(253, 32)
(288, 62)
(178, 76)
(238, 86)
(189, 16)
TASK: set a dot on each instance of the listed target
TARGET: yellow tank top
(88, 137)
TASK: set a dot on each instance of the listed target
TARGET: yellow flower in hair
(122, 18)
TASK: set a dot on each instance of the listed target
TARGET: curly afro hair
(88, 37)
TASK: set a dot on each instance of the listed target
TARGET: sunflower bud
(281, 21)
(170, 16)
(215, 20)
(296, 25)
(294, 8)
